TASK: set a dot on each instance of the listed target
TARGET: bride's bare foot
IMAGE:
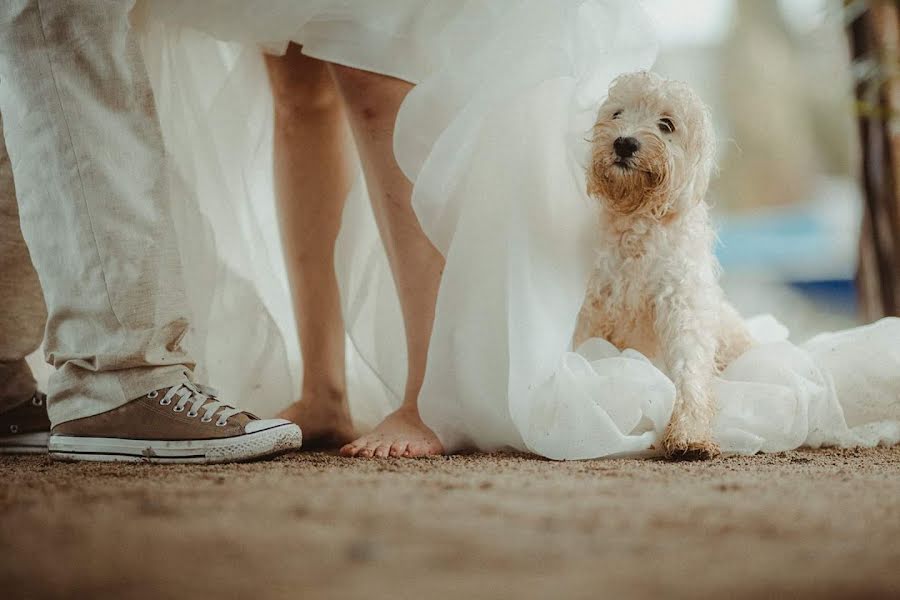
(402, 433)
(324, 420)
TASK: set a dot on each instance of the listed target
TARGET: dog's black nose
(626, 146)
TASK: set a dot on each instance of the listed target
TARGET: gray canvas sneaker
(185, 423)
(24, 426)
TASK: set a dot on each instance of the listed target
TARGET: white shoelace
(200, 397)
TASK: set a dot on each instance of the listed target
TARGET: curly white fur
(655, 283)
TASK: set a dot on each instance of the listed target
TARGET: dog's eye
(617, 114)
(666, 125)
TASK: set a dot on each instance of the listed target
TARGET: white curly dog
(655, 285)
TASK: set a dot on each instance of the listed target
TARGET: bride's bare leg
(372, 102)
(312, 179)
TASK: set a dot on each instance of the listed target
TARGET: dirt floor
(822, 524)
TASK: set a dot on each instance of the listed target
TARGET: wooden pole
(874, 32)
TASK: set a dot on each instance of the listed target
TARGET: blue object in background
(838, 294)
(810, 247)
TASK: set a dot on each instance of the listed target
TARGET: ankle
(328, 394)
(409, 409)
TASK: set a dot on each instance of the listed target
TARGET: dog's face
(652, 147)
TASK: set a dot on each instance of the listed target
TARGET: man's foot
(325, 421)
(182, 424)
(25, 428)
(401, 434)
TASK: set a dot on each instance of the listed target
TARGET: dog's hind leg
(593, 318)
(734, 338)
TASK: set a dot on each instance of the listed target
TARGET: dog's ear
(593, 173)
(700, 184)
(704, 147)
(695, 191)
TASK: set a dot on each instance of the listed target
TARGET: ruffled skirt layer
(493, 137)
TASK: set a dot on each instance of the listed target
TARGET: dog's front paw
(678, 446)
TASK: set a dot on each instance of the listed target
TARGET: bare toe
(412, 450)
(399, 448)
(383, 450)
(374, 444)
(350, 450)
(420, 449)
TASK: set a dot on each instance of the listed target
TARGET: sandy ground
(823, 524)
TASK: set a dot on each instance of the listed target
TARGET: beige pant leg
(22, 311)
(88, 162)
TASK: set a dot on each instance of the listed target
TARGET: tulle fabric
(493, 137)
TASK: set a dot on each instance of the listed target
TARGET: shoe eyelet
(153, 394)
(221, 423)
(165, 402)
(178, 409)
(192, 414)
(206, 419)
(37, 401)
(14, 429)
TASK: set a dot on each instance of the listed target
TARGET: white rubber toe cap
(262, 424)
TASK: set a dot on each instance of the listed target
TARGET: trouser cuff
(75, 393)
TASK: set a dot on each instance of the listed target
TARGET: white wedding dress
(494, 138)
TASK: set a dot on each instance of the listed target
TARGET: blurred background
(788, 201)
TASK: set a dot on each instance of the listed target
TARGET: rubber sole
(251, 446)
(25, 443)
